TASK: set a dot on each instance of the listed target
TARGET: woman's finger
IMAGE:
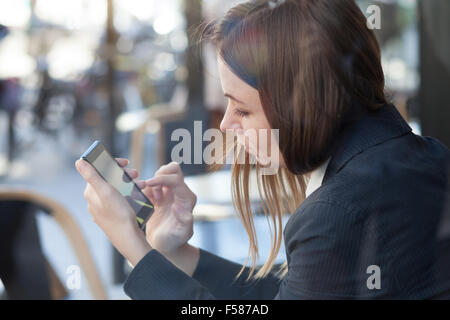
(91, 195)
(93, 178)
(148, 192)
(157, 193)
(122, 162)
(170, 168)
(168, 180)
(140, 184)
(133, 173)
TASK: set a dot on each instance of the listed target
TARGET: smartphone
(109, 169)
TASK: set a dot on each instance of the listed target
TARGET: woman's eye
(241, 113)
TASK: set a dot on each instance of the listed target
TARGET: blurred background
(127, 72)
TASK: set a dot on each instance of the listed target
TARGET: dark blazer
(382, 203)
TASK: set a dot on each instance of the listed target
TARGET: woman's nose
(229, 123)
(223, 125)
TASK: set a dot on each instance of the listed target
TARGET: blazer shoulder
(322, 215)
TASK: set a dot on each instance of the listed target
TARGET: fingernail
(81, 164)
(140, 184)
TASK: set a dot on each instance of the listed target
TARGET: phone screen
(111, 172)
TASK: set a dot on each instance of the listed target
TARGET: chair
(71, 230)
(154, 120)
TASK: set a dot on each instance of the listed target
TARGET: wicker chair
(73, 233)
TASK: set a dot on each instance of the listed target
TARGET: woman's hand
(113, 214)
(168, 229)
(171, 225)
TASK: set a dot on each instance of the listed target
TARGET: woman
(376, 192)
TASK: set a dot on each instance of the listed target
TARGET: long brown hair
(315, 65)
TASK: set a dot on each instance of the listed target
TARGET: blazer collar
(374, 127)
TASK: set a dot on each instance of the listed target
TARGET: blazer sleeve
(329, 247)
(219, 276)
(155, 277)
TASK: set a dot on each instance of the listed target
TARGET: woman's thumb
(148, 192)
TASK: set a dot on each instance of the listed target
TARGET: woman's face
(245, 116)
